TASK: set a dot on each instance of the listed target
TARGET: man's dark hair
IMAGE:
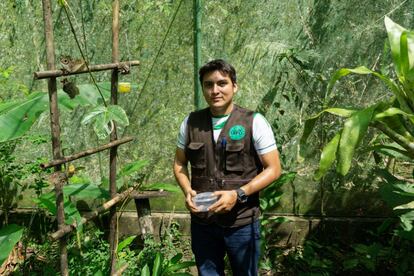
(218, 65)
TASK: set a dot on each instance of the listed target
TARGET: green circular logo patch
(237, 132)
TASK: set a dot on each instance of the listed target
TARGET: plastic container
(204, 200)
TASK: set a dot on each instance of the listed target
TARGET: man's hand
(189, 201)
(226, 201)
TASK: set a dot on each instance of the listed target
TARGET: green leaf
(407, 220)
(181, 265)
(328, 156)
(394, 33)
(393, 111)
(362, 70)
(354, 130)
(176, 258)
(393, 150)
(72, 214)
(47, 201)
(101, 127)
(350, 263)
(4, 107)
(125, 242)
(9, 236)
(92, 115)
(310, 123)
(393, 191)
(19, 118)
(145, 271)
(156, 269)
(409, 205)
(82, 191)
(133, 167)
(278, 219)
(118, 114)
(161, 186)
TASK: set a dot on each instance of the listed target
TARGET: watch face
(241, 196)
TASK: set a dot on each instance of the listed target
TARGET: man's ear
(235, 87)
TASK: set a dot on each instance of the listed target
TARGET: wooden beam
(91, 215)
(75, 156)
(93, 68)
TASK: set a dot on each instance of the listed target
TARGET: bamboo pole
(55, 129)
(93, 68)
(197, 12)
(88, 152)
(113, 227)
(91, 215)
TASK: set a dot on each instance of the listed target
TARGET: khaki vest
(227, 165)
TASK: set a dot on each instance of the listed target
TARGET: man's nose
(216, 88)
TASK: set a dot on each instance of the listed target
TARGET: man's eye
(222, 84)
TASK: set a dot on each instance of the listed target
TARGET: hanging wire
(155, 59)
(65, 7)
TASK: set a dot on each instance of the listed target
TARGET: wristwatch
(241, 196)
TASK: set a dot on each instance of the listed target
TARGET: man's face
(218, 90)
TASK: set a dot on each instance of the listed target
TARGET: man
(232, 152)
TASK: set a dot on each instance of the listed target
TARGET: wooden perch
(91, 215)
(92, 68)
(85, 153)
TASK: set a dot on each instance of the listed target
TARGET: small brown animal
(72, 65)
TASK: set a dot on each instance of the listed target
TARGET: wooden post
(113, 227)
(55, 129)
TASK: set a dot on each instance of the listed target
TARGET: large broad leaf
(157, 267)
(17, 117)
(72, 214)
(393, 111)
(145, 271)
(310, 123)
(328, 156)
(179, 266)
(103, 118)
(393, 150)
(362, 70)
(9, 236)
(354, 130)
(118, 114)
(125, 242)
(96, 111)
(395, 191)
(133, 167)
(82, 191)
(404, 60)
(407, 220)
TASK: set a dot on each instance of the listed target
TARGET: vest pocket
(234, 157)
(197, 155)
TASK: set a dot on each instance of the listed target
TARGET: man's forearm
(182, 177)
(272, 171)
(261, 181)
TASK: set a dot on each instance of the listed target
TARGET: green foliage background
(284, 52)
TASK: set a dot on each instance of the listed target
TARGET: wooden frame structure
(59, 178)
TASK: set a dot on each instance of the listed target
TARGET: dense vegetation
(285, 52)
